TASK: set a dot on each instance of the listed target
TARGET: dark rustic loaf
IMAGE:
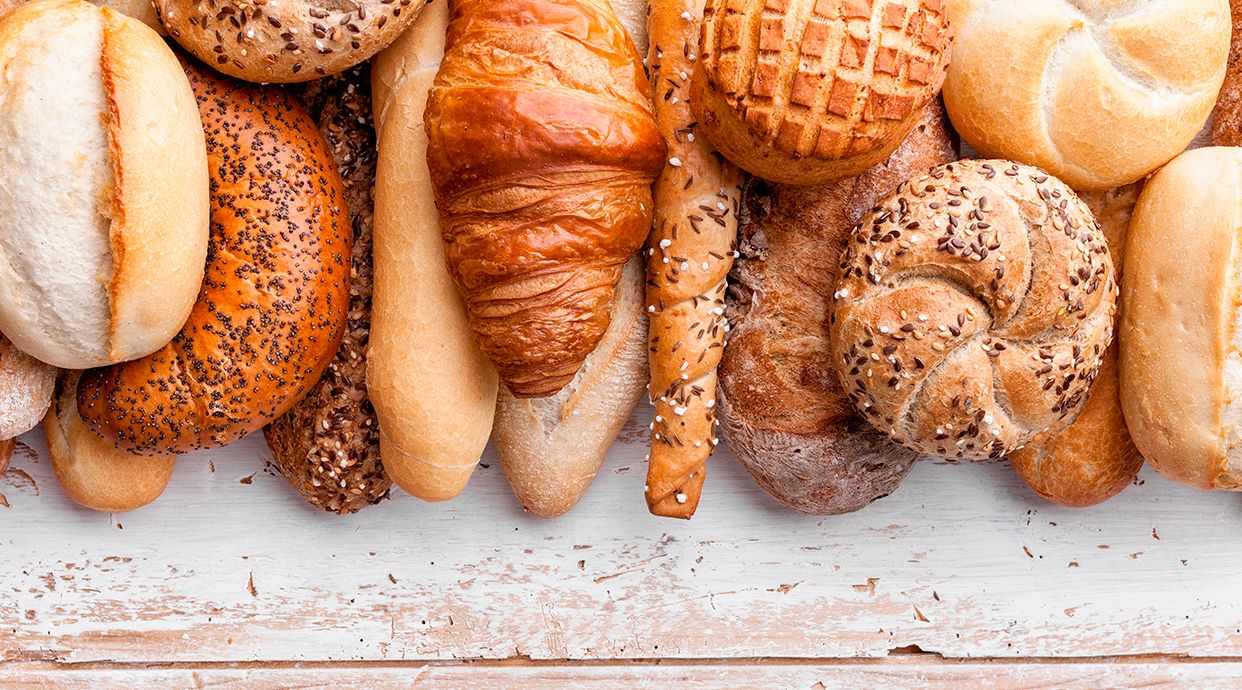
(782, 410)
(327, 446)
(273, 303)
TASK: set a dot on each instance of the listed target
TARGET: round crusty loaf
(973, 307)
(274, 299)
(1181, 376)
(1097, 92)
(289, 41)
(25, 390)
(103, 210)
(808, 93)
(92, 471)
(783, 412)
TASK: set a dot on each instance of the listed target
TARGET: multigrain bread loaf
(1227, 117)
(689, 254)
(542, 151)
(433, 389)
(781, 408)
(1097, 92)
(327, 446)
(972, 309)
(91, 470)
(103, 210)
(807, 93)
(1090, 457)
(275, 296)
(290, 41)
(1181, 376)
(551, 448)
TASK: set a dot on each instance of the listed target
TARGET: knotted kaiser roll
(811, 92)
(1097, 92)
(973, 308)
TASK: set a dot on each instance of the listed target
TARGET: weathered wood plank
(1068, 676)
(962, 561)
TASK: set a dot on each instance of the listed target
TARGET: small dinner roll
(103, 209)
(1181, 339)
(289, 41)
(1097, 92)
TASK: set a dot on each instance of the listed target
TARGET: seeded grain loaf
(327, 446)
(781, 408)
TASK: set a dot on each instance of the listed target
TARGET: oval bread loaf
(973, 308)
(276, 293)
(103, 210)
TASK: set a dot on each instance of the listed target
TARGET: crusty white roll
(1180, 333)
(1096, 92)
(103, 210)
(433, 390)
(551, 448)
(92, 471)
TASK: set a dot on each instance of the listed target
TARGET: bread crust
(551, 448)
(434, 395)
(973, 308)
(541, 208)
(25, 390)
(1096, 93)
(103, 217)
(274, 300)
(781, 408)
(286, 42)
(1179, 324)
(1093, 458)
(92, 471)
(1227, 116)
(327, 445)
(808, 93)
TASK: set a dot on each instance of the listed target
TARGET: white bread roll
(1180, 334)
(433, 390)
(103, 210)
(551, 448)
(1098, 93)
(92, 471)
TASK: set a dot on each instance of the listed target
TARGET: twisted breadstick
(689, 255)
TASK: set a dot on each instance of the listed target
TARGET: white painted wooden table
(961, 577)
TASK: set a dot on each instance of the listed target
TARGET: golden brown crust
(6, 454)
(807, 93)
(1093, 458)
(542, 153)
(92, 471)
(782, 410)
(973, 308)
(1227, 117)
(285, 42)
(273, 303)
(327, 446)
(689, 254)
(1181, 373)
(1097, 92)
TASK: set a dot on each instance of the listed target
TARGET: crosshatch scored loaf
(810, 92)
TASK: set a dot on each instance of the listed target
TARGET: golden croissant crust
(542, 151)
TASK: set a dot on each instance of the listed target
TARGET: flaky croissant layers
(542, 151)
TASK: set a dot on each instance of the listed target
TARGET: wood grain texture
(698, 676)
(962, 561)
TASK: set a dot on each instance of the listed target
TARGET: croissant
(542, 150)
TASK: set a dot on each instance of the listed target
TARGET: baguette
(1092, 458)
(689, 255)
(433, 390)
(782, 410)
(92, 471)
(327, 446)
(551, 448)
